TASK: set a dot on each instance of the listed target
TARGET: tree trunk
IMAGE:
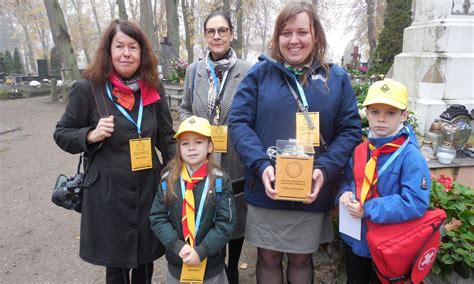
(112, 9)
(188, 17)
(156, 43)
(29, 54)
(239, 29)
(133, 10)
(146, 19)
(172, 24)
(96, 18)
(122, 11)
(226, 7)
(61, 37)
(371, 25)
(84, 42)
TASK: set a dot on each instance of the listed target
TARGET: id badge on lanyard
(307, 123)
(140, 148)
(195, 273)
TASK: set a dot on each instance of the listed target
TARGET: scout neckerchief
(124, 91)
(218, 71)
(188, 210)
(366, 173)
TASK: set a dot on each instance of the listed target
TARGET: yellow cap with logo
(194, 124)
(388, 92)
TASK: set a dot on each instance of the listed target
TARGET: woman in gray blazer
(209, 88)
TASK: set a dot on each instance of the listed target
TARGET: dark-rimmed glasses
(222, 32)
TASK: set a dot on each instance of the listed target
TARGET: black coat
(115, 229)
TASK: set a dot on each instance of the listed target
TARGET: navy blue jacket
(264, 111)
(404, 189)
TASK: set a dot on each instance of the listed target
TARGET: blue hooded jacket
(404, 189)
(264, 111)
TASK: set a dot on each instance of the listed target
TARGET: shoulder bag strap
(194, 80)
(99, 100)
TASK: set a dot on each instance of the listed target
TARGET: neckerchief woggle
(138, 124)
(201, 203)
(385, 165)
(304, 102)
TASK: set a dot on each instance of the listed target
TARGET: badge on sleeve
(140, 154)
(193, 273)
(424, 183)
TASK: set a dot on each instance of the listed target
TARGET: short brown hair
(101, 67)
(290, 11)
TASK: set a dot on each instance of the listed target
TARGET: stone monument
(437, 61)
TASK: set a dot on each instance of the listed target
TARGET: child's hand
(356, 209)
(346, 198)
(192, 258)
(185, 251)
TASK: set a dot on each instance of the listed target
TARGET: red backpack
(404, 251)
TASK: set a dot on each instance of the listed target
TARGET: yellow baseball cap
(388, 92)
(194, 124)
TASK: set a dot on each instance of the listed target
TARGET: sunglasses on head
(222, 32)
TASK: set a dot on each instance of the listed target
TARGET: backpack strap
(218, 190)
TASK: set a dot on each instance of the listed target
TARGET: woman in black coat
(118, 130)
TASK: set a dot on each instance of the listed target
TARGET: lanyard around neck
(393, 157)
(201, 203)
(217, 85)
(138, 124)
(301, 106)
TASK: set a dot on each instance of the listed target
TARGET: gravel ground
(39, 241)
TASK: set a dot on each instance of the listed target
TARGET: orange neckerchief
(188, 211)
(365, 172)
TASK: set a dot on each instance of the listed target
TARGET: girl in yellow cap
(193, 213)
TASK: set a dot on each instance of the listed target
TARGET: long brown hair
(101, 67)
(290, 11)
(174, 169)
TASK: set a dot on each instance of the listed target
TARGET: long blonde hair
(290, 11)
(174, 169)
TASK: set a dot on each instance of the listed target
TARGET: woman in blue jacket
(264, 110)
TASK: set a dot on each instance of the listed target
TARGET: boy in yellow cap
(193, 214)
(387, 179)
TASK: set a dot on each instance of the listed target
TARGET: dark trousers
(232, 269)
(140, 275)
(359, 269)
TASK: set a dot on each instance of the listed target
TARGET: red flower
(446, 182)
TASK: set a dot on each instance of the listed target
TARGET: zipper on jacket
(230, 210)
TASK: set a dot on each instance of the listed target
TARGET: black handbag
(67, 191)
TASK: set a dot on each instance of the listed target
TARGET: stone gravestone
(436, 63)
(42, 69)
(168, 59)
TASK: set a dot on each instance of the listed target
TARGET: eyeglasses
(222, 31)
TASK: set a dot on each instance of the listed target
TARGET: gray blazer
(230, 162)
(197, 105)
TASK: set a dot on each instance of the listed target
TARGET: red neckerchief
(360, 160)
(125, 96)
(188, 211)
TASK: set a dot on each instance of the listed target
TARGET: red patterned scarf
(125, 96)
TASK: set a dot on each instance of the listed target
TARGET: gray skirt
(287, 231)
